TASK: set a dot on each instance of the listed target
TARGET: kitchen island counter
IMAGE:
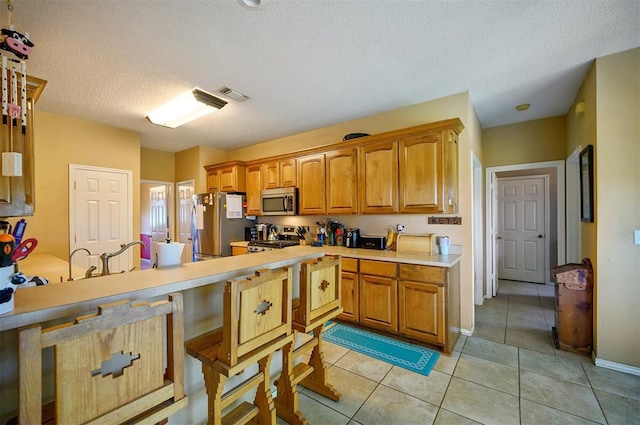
(59, 300)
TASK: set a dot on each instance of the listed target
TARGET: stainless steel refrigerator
(217, 220)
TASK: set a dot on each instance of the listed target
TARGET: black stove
(257, 246)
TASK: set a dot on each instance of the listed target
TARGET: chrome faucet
(107, 255)
(71, 256)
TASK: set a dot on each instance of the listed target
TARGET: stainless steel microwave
(283, 201)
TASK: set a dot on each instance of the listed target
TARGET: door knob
(540, 236)
(499, 238)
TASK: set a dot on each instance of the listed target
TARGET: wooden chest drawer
(378, 268)
(420, 273)
(350, 265)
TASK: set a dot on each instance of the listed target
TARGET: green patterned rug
(408, 356)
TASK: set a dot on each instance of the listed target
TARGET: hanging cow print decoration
(15, 48)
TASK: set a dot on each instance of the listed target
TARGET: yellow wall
(190, 165)
(60, 141)
(526, 142)
(157, 165)
(617, 206)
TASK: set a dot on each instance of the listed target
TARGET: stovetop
(274, 244)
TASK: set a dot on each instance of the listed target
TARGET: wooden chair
(319, 302)
(108, 366)
(256, 323)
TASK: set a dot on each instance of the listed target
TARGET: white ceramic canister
(444, 244)
(6, 273)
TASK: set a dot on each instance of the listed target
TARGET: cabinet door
(228, 179)
(422, 174)
(311, 180)
(379, 302)
(288, 177)
(349, 296)
(254, 185)
(271, 174)
(342, 181)
(378, 182)
(213, 181)
(238, 250)
(422, 311)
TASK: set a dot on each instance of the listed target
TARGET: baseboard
(468, 332)
(632, 370)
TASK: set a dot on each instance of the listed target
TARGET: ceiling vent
(232, 94)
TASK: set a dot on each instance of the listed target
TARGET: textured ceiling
(308, 64)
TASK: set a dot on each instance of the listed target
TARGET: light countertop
(49, 266)
(241, 244)
(392, 256)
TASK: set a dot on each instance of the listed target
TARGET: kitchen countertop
(241, 244)
(49, 302)
(392, 256)
(49, 266)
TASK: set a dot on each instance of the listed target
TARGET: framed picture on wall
(586, 184)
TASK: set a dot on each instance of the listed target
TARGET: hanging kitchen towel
(234, 206)
(199, 217)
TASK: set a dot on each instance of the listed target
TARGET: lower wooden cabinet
(379, 302)
(238, 250)
(350, 290)
(422, 311)
(416, 301)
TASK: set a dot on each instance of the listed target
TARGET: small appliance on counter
(353, 238)
(373, 242)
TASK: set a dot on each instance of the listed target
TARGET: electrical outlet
(400, 227)
(636, 237)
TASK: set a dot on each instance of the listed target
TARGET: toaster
(373, 242)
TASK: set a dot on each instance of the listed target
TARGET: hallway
(508, 372)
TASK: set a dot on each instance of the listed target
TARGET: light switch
(636, 237)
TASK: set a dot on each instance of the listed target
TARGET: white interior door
(100, 215)
(158, 211)
(185, 206)
(521, 229)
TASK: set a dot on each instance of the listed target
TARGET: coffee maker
(353, 238)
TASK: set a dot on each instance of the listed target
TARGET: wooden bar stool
(256, 323)
(319, 302)
(108, 366)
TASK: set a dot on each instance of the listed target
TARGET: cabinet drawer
(350, 265)
(378, 268)
(420, 273)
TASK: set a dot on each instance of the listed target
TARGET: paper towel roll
(169, 254)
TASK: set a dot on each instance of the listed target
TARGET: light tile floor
(508, 372)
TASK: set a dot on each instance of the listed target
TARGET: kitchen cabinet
(254, 185)
(378, 177)
(279, 173)
(429, 308)
(342, 181)
(311, 180)
(378, 295)
(227, 177)
(350, 290)
(17, 193)
(239, 250)
(428, 172)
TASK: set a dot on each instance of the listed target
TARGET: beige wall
(157, 165)
(617, 207)
(526, 142)
(190, 165)
(60, 141)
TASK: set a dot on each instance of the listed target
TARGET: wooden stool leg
(318, 380)
(214, 385)
(287, 398)
(263, 400)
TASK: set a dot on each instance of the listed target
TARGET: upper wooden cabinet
(342, 181)
(311, 183)
(227, 177)
(254, 185)
(17, 193)
(378, 182)
(281, 173)
(428, 172)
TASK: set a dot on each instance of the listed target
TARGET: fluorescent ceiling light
(185, 108)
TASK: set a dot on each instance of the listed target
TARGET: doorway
(100, 215)
(523, 252)
(185, 208)
(556, 223)
(156, 217)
